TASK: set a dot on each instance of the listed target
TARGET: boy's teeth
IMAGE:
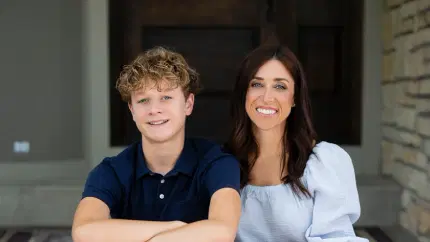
(266, 111)
(158, 122)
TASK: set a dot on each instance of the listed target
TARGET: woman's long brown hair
(298, 142)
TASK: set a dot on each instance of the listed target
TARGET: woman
(292, 188)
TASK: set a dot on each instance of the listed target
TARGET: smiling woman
(294, 187)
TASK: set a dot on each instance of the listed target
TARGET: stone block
(410, 156)
(426, 54)
(423, 125)
(399, 58)
(388, 115)
(424, 86)
(422, 105)
(424, 239)
(423, 18)
(393, 3)
(408, 24)
(422, 36)
(422, 4)
(424, 222)
(410, 57)
(409, 218)
(406, 198)
(389, 93)
(406, 99)
(394, 94)
(387, 31)
(387, 67)
(405, 117)
(387, 157)
(402, 137)
(426, 147)
(397, 23)
(408, 9)
(412, 178)
(413, 87)
(407, 13)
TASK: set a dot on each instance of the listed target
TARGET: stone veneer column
(406, 108)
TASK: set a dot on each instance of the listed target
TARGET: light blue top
(276, 214)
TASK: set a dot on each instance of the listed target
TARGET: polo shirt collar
(186, 163)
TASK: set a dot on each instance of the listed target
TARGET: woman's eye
(256, 84)
(281, 87)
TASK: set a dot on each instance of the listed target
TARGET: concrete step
(380, 199)
(53, 204)
(399, 234)
(44, 205)
(395, 234)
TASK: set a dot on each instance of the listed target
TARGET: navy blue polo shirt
(132, 191)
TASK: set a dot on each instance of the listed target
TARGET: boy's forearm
(201, 231)
(121, 230)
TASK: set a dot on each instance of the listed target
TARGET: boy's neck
(161, 157)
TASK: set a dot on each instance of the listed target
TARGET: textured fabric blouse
(276, 214)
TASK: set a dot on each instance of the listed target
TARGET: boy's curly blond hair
(157, 66)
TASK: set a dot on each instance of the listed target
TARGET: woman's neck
(267, 169)
(269, 141)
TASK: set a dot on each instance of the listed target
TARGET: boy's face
(160, 115)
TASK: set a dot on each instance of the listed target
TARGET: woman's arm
(331, 180)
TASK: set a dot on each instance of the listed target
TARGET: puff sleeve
(331, 181)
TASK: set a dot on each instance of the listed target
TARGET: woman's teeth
(266, 111)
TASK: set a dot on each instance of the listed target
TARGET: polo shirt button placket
(162, 195)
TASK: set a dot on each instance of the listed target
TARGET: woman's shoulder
(329, 164)
(326, 153)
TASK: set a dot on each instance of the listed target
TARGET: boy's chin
(159, 137)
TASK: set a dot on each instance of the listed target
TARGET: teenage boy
(165, 187)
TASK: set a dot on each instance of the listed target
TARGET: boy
(166, 187)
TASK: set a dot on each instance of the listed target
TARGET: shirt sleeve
(102, 183)
(331, 182)
(222, 173)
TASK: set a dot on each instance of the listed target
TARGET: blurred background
(367, 63)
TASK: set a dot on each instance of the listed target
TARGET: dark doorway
(214, 36)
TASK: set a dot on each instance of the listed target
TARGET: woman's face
(270, 96)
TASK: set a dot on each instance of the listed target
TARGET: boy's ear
(189, 104)
(130, 107)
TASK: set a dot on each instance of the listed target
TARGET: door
(329, 40)
(214, 36)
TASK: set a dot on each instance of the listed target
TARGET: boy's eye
(144, 100)
(166, 98)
